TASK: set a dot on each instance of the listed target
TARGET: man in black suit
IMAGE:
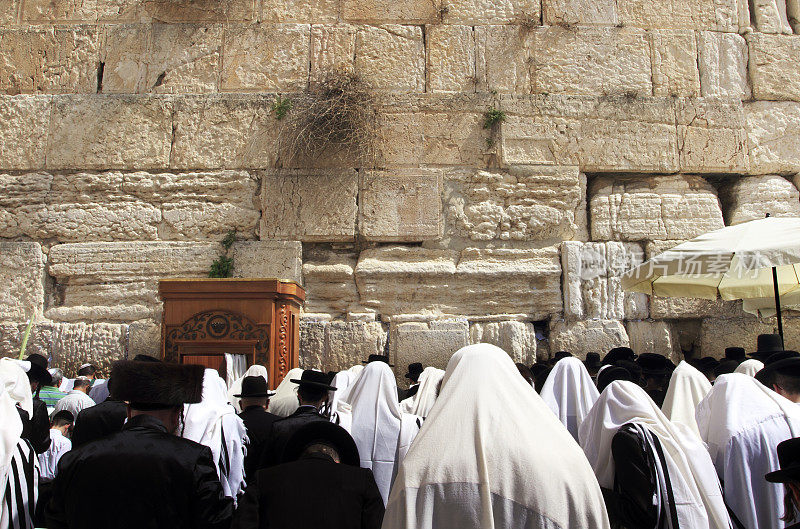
(99, 421)
(318, 484)
(254, 399)
(414, 371)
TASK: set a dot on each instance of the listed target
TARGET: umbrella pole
(777, 302)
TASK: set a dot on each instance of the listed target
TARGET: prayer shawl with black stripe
(21, 488)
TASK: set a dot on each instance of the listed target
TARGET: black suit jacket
(258, 422)
(141, 477)
(99, 421)
(36, 428)
(282, 430)
(311, 493)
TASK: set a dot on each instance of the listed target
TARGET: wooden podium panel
(206, 318)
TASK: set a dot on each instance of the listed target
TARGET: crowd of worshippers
(622, 440)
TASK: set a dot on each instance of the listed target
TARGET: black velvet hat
(377, 358)
(322, 432)
(592, 361)
(414, 370)
(735, 353)
(254, 387)
(38, 371)
(766, 345)
(152, 385)
(780, 355)
(789, 459)
(619, 353)
(610, 374)
(707, 363)
(561, 354)
(654, 364)
(725, 367)
(145, 358)
(787, 366)
(314, 379)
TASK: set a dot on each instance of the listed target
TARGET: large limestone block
(176, 11)
(309, 205)
(719, 15)
(773, 66)
(431, 343)
(224, 131)
(278, 259)
(674, 60)
(400, 205)
(504, 59)
(9, 12)
(723, 65)
(118, 281)
(719, 333)
(109, 132)
(272, 57)
(391, 57)
(517, 338)
(451, 58)
(582, 337)
(656, 207)
(390, 11)
(49, 60)
(654, 337)
(329, 281)
(711, 135)
(21, 280)
(524, 204)
(485, 12)
(49, 11)
(752, 197)
(333, 48)
(339, 345)
(144, 338)
(592, 61)
(591, 280)
(770, 16)
(580, 12)
(773, 131)
(23, 142)
(319, 12)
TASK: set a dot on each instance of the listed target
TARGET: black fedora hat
(145, 358)
(780, 355)
(322, 432)
(254, 387)
(610, 374)
(619, 353)
(38, 369)
(654, 364)
(725, 367)
(315, 379)
(414, 370)
(766, 345)
(789, 459)
(592, 361)
(561, 354)
(377, 358)
(735, 353)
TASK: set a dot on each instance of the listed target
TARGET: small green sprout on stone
(493, 117)
(281, 107)
(223, 265)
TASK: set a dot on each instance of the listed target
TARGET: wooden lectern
(206, 321)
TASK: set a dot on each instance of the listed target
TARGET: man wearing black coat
(258, 421)
(36, 428)
(319, 484)
(144, 475)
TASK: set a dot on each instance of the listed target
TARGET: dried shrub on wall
(335, 117)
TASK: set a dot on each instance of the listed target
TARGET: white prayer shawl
(697, 493)
(485, 453)
(254, 370)
(742, 422)
(750, 367)
(341, 413)
(341, 382)
(213, 422)
(376, 423)
(570, 392)
(284, 402)
(687, 387)
(421, 403)
(14, 389)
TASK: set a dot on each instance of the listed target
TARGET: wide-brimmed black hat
(654, 364)
(610, 374)
(780, 355)
(254, 387)
(767, 345)
(315, 379)
(592, 361)
(322, 432)
(735, 353)
(561, 354)
(725, 367)
(705, 364)
(414, 370)
(788, 366)
(38, 369)
(145, 358)
(619, 353)
(153, 385)
(789, 459)
(377, 358)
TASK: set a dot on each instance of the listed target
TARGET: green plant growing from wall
(223, 265)
(493, 117)
(280, 107)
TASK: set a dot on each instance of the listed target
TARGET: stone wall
(134, 134)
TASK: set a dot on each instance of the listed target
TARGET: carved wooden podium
(206, 318)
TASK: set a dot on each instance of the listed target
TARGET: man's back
(282, 431)
(141, 477)
(258, 422)
(74, 402)
(99, 421)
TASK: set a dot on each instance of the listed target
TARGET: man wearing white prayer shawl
(687, 387)
(284, 402)
(427, 390)
(254, 370)
(491, 454)
(340, 410)
(658, 473)
(750, 367)
(570, 392)
(381, 431)
(742, 422)
(213, 422)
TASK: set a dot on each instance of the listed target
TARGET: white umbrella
(755, 260)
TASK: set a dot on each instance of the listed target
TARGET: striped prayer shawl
(18, 499)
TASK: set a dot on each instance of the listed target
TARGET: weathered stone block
(125, 55)
(144, 338)
(309, 206)
(580, 12)
(329, 281)
(118, 281)
(451, 58)
(719, 333)
(9, 12)
(750, 198)
(723, 65)
(49, 11)
(581, 337)
(200, 10)
(486, 12)
(719, 15)
(657, 207)
(674, 59)
(339, 345)
(102, 132)
(770, 16)
(322, 11)
(504, 59)
(391, 57)
(711, 136)
(773, 131)
(271, 57)
(431, 343)
(524, 204)
(333, 49)
(390, 11)
(21, 280)
(517, 338)
(278, 259)
(592, 61)
(654, 337)
(773, 66)
(400, 206)
(25, 120)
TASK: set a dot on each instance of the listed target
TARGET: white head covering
(341, 413)
(422, 402)
(570, 392)
(750, 367)
(284, 402)
(14, 389)
(487, 446)
(212, 421)
(742, 423)
(687, 387)
(254, 370)
(698, 498)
